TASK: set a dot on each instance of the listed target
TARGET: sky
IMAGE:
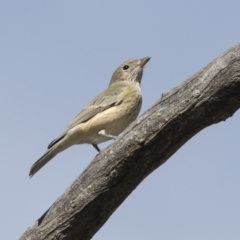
(55, 56)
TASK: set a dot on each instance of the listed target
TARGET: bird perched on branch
(106, 116)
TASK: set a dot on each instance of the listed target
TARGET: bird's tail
(53, 151)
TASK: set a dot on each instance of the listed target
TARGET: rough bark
(210, 96)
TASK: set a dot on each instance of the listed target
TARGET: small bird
(106, 116)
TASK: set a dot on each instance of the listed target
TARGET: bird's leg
(96, 147)
(104, 134)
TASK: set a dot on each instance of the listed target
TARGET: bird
(106, 116)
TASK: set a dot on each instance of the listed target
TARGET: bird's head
(130, 71)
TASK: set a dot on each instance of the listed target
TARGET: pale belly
(113, 121)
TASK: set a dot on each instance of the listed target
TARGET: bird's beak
(144, 61)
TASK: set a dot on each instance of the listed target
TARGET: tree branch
(210, 96)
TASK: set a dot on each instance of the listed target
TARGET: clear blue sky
(55, 56)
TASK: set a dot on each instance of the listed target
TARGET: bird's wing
(108, 98)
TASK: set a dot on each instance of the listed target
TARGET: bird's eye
(125, 67)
